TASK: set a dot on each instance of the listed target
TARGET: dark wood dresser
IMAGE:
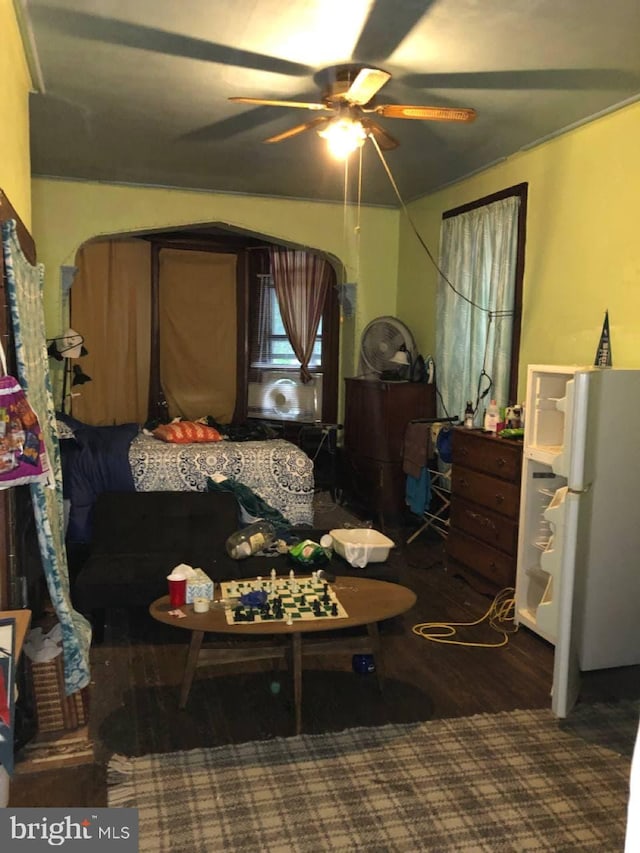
(376, 416)
(485, 499)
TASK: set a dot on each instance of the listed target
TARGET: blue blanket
(96, 460)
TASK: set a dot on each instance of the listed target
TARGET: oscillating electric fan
(382, 338)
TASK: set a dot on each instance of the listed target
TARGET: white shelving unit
(543, 491)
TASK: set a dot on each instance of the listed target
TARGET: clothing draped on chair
(416, 454)
(427, 464)
(24, 288)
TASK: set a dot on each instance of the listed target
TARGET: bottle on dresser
(469, 415)
(491, 417)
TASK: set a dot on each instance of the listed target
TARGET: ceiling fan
(350, 97)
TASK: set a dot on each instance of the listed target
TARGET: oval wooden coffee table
(366, 602)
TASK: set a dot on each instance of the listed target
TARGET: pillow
(64, 430)
(69, 420)
(186, 432)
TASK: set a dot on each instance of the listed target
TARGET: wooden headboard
(9, 498)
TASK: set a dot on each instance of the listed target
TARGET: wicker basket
(54, 709)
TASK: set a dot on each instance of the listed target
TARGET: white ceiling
(136, 90)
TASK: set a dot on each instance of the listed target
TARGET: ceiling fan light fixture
(344, 135)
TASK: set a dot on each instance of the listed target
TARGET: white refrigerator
(578, 572)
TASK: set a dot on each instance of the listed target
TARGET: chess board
(297, 597)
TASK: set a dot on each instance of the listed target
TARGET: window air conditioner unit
(283, 396)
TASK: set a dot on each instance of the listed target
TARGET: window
(275, 390)
(479, 302)
(272, 348)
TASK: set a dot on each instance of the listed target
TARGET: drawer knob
(499, 499)
(501, 462)
(463, 482)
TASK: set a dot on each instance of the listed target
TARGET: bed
(123, 458)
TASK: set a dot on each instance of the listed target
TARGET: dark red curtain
(301, 281)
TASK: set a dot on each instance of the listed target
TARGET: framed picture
(7, 691)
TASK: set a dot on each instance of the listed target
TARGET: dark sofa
(138, 537)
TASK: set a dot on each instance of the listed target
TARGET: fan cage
(380, 341)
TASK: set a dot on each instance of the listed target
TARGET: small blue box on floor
(363, 663)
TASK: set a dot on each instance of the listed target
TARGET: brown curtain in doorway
(198, 333)
(111, 308)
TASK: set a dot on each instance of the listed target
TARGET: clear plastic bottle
(251, 539)
(491, 417)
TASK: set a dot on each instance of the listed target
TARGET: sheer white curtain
(478, 251)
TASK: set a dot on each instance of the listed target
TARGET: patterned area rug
(516, 781)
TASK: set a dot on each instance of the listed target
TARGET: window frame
(258, 265)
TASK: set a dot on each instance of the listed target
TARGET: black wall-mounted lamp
(79, 378)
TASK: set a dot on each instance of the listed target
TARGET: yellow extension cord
(499, 614)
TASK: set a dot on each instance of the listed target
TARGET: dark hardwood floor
(137, 671)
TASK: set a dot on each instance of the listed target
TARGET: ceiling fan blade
(299, 128)
(382, 137)
(266, 103)
(368, 83)
(425, 113)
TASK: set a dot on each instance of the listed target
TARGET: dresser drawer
(490, 527)
(497, 457)
(495, 566)
(490, 492)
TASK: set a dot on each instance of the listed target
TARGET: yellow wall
(582, 251)
(67, 213)
(15, 82)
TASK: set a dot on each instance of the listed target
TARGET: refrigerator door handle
(576, 440)
(581, 491)
(570, 461)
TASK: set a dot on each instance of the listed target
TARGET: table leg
(296, 665)
(190, 666)
(376, 645)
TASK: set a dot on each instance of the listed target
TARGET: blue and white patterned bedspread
(278, 471)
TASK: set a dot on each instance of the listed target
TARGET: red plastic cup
(177, 592)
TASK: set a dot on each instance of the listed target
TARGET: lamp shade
(69, 345)
(343, 135)
(79, 378)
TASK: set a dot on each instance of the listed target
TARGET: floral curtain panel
(24, 288)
